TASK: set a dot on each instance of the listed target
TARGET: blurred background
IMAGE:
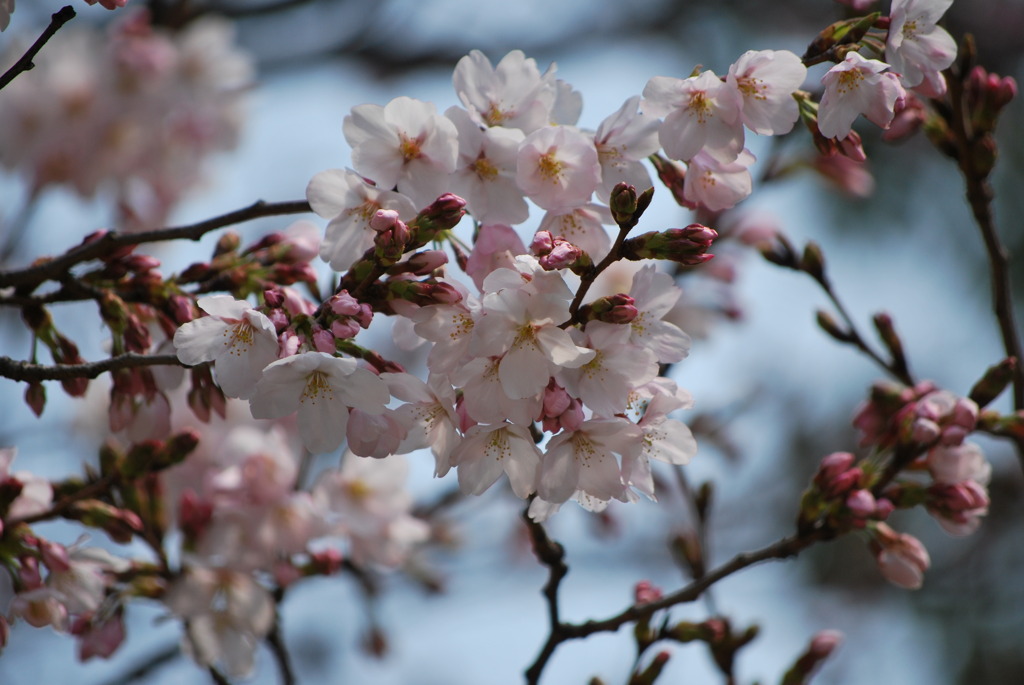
(773, 393)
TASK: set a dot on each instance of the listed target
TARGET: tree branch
(562, 632)
(27, 371)
(25, 63)
(53, 269)
(552, 555)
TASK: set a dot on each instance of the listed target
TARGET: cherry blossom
(6, 9)
(701, 113)
(487, 451)
(321, 388)
(486, 172)
(617, 367)
(35, 493)
(226, 614)
(901, 558)
(584, 459)
(524, 328)
(718, 185)
(430, 412)
(582, 226)
(405, 144)
(513, 94)
(558, 167)
(766, 80)
(916, 47)
(623, 140)
(349, 202)
(857, 86)
(239, 340)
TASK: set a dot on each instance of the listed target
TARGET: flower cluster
(133, 112)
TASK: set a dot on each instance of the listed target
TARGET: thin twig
(979, 197)
(146, 667)
(562, 632)
(25, 63)
(552, 555)
(27, 371)
(54, 268)
(275, 640)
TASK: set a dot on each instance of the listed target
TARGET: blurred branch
(53, 269)
(25, 63)
(979, 197)
(27, 371)
(552, 555)
(145, 668)
(563, 632)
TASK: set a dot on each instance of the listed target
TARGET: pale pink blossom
(701, 113)
(350, 202)
(496, 246)
(901, 558)
(618, 367)
(654, 295)
(430, 413)
(583, 226)
(584, 460)
(664, 439)
(109, 4)
(916, 47)
(366, 501)
(513, 94)
(404, 144)
(766, 81)
(524, 328)
(376, 435)
(486, 172)
(6, 9)
(558, 167)
(36, 494)
(718, 185)
(239, 340)
(485, 398)
(958, 463)
(320, 388)
(857, 86)
(227, 613)
(488, 451)
(623, 140)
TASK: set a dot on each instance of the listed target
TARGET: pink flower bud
(327, 561)
(542, 243)
(55, 556)
(279, 318)
(925, 431)
(824, 643)
(344, 304)
(345, 328)
(901, 558)
(883, 508)
(323, 341)
(384, 219)
(861, 503)
(273, 297)
(424, 263)
(645, 592)
(181, 309)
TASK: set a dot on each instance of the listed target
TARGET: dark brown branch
(562, 632)
(552, 555)
(25, 63)
(54, 268)
(979, 197)
(27, 371)
(275, 640)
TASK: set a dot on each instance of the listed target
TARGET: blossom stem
(25, 63)
(979, 197)
(588, 279)
(27, 371)
(57, 267)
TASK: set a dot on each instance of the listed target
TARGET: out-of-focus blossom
(6, 9)
(718, 185)
(901, 558)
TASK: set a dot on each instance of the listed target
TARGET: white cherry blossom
(513, 94)
(701, 113)
(718, 185)
(405, 144)
(320, 388)
(488, 451)
(765, 81)
(585, 460)
(239, 340)
(350, 202)
(916, 47)
(558, 167)
(857, 86)
(623, 140)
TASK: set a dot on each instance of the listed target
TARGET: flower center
(550, 167)
(239, 338)
(699, 106)
(484, 170)
(317, 387)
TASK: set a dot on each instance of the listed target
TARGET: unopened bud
(813, 262)
(35, 397)
(228, 242)
(619, 308)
